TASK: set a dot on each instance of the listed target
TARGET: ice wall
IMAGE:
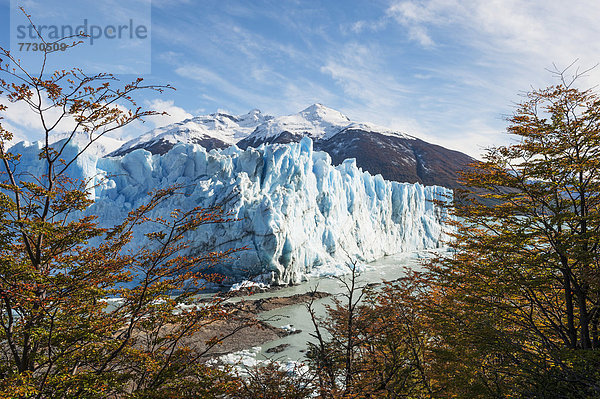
(298, 214)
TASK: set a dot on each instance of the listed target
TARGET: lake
(297, 317)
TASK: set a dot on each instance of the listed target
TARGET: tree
(334, 359)
(370, 344)
(70, 325)
(512, 310)
(517, 305)
(271, 380)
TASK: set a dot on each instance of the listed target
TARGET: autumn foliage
(513, 309)
(370, 344)
(83, 312)
(520, 295)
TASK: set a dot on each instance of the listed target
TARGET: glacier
(298, 214)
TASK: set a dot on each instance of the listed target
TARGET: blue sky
(447, 71)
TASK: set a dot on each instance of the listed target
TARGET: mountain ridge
(218, 130)
(395, 155)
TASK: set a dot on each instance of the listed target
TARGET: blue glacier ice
(298, 214)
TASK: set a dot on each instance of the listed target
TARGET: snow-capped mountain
(396, 157)
(379, 150)
(218, 130)
(317, 122)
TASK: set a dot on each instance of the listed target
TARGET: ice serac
(298, 214)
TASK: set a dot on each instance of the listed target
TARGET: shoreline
(244, 330)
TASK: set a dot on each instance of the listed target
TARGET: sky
(446, 71)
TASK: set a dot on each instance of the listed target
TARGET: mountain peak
(380, 150)
(322, 112)
(314, 107)
(316, 121)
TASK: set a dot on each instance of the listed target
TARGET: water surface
(386, 269)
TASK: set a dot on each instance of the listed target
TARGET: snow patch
(221, 126)
(316, 122)
(372, 128)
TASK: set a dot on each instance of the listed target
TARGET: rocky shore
(243, 329)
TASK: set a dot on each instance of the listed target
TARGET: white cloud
(16, 132)
(357, 70)
(472, 137)
(413, 16)
(478, 55)
(209, 78)
(484, 54)
(301, 94)
(522, 31)
(362, 25)
(27, 123)
(298, 92)
(169, 3)
(175, 113)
